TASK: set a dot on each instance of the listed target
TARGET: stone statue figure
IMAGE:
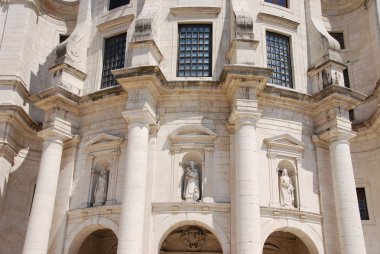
(191, 190)
(286, 189)
(100, 193)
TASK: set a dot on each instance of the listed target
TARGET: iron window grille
(278, 56)
(283, 3)
(114, 56)
(194, 50)
(362, 202)
(117, 3)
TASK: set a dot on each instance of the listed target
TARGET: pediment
(284, 142)
(103, 141)
(192, 133)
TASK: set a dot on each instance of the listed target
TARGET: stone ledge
(90, 211)
(190, 207)
(269, 212)
(195, 10)
(278, 20)
(110, 22)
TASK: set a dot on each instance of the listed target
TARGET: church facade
(205, 126)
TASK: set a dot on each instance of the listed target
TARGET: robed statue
(191, 188)
(286, 189)
(100, 192)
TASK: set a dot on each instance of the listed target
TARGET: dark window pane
(283, 3)
(117, 3)
(63, 37)
(278, 56)
(340, 38)
(346, 78)
(194, 51)
(114, 54)
(362, 202)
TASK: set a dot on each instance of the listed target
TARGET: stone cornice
(338, 96)
(69, 69)
(150, 43)
(17, 82)
(106, 24)
(280, 21)
(56, 97)
(7, 152)
(19, 118)
(93, 211)
(195, 10)
(241, 117)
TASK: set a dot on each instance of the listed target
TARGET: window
(339, 37)
(114, 54)
(278, 55)
(362, 202)
(117, 3)
(63, 37)
(194, 51)
(283, 3)
(346, 78)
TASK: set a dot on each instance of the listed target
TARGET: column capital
(55, 132)
(143, 115)
(249, 116)
(337, 134)
(7, 152)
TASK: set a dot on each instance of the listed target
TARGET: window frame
(103, 57)
(290, 57)
(365, 183)
(273, 2)
(109, 4)
(210, 64)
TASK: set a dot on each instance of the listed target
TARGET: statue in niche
(286, 189)
(191, 188)
(100, 192)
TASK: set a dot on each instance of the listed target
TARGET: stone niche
(192, 152)
(285, 155)
(102, 159)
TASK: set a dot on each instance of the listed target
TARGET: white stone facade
(91, 170)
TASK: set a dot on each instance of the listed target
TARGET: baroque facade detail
(225, 126)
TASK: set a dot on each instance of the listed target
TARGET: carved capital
(250, 117)
(144, 115)
(337, 134)
(54, 133)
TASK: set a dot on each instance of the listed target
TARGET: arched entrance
(191, 239)
(102, 241)
(280, 242)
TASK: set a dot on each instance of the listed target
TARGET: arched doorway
(191, 239)
(102, 241)
(280, 242)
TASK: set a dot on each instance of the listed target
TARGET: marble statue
(286, 189)
(191, 188)
(100, 193)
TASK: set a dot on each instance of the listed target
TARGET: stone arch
(312, 240)
(78, 234)
(171, 223)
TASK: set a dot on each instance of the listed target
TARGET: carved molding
(103, 142)
(280, 21)
(191, 136)
(119, 21)
(195, 10)
(284, 144)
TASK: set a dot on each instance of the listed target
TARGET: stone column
(40, 220)
(349, 222)
(134, 182)
(248, 233)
